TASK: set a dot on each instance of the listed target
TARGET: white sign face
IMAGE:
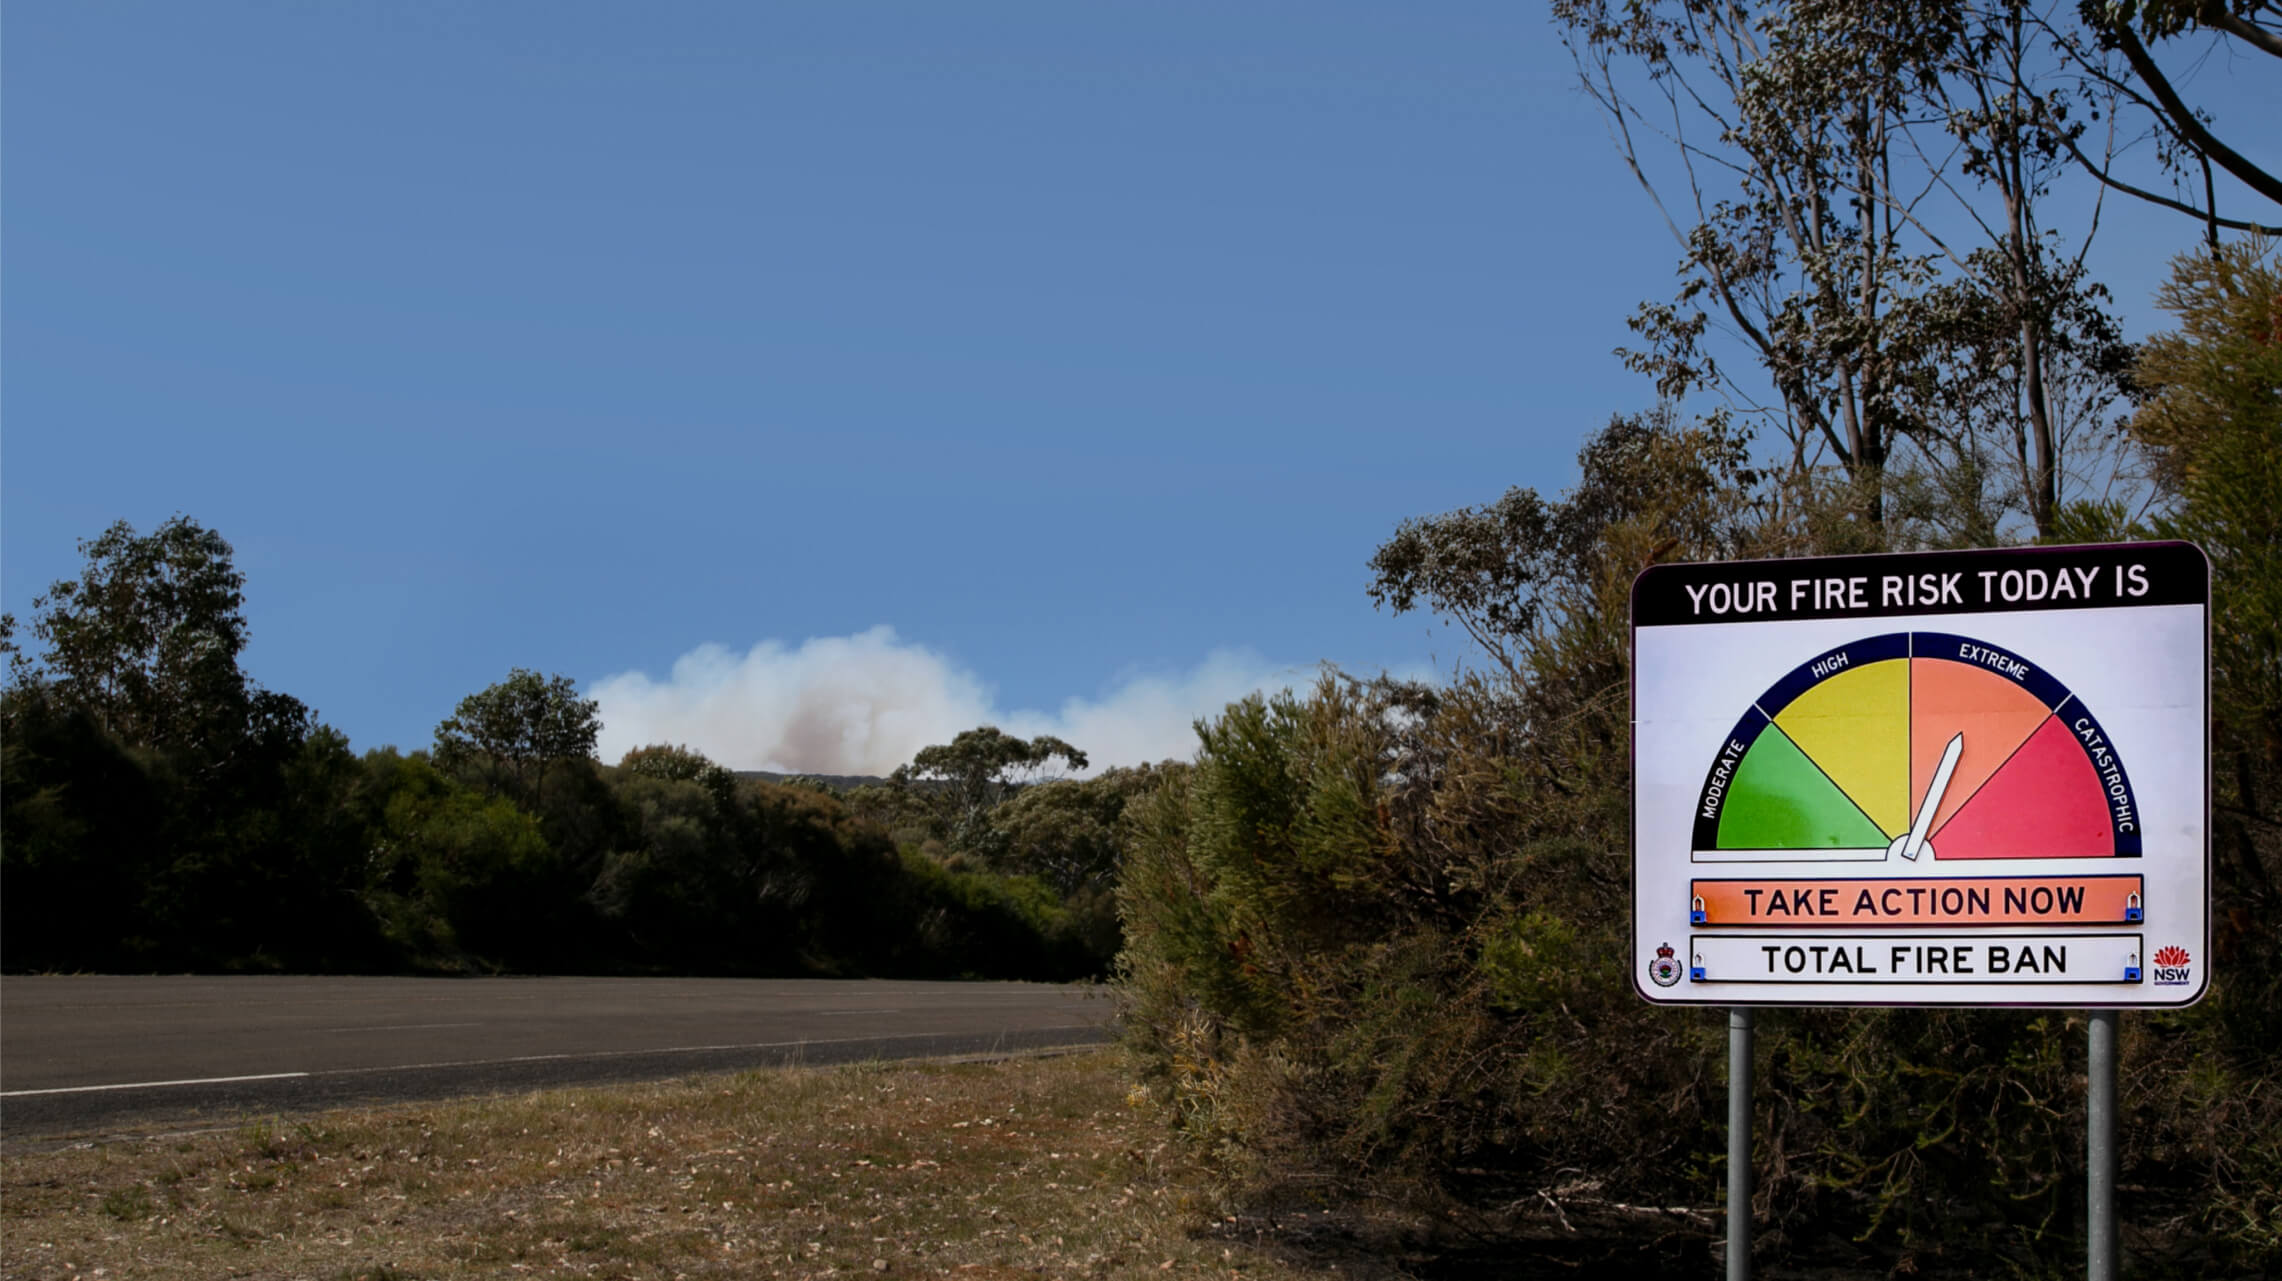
(1953, 778)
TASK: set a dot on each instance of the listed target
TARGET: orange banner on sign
(1919, 900)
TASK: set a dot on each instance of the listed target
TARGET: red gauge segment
(2045, 802)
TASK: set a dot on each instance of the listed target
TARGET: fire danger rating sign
(1953, 778)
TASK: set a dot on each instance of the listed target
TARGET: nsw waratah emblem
(2171, 956)
(1665, 969)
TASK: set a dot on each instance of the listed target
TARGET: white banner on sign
(1918, 958)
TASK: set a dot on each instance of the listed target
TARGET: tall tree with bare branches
(1858, 188)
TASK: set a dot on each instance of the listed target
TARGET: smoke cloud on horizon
(864, 704)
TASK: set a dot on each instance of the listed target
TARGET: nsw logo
(2172, 966)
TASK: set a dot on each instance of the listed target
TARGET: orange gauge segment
(1993, 711)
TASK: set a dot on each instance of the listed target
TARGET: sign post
(1948, 778)
(1739, 1143)
(2100, 1149)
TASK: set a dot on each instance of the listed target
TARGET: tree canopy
(1874, 269)
(981, 767)
(513, 730)
(146, 640)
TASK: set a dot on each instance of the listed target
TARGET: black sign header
(2000, 580)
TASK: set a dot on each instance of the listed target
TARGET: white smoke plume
(864, 704)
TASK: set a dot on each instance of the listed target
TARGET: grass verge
(1026, 1167)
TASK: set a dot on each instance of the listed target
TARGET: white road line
(537, 1058)
(151, 1085)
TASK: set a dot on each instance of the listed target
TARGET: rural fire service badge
(1665, 969)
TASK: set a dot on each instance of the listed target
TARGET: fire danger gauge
(1879, 747)
(1970, 778)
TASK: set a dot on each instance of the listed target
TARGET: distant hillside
(838, 782)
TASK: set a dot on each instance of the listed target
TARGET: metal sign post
(2100, 1150)
(1739, 1144)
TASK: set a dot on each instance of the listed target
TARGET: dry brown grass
(1028, 1167)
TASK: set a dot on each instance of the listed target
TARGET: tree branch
(2109, 180)
(2183, 120)
(2249, 33)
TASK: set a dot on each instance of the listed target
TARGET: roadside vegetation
(161, 811)
(1020, 1168)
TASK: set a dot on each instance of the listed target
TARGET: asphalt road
(89, 1054)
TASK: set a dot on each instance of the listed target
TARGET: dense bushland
(159, 811)
(1376, 934)
(117, 861)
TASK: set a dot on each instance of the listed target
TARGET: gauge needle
(1913, 844)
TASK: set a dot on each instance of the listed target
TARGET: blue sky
(1088, 350)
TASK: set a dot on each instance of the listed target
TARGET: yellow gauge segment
(1856, 727)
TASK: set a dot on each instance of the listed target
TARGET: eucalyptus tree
(1066, 832)
(514, 731)
(1775, 122)
(964, 779)
(2020, 360)
(1860, 190)
(146, 639)
(679, 763)
(1534, 581)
